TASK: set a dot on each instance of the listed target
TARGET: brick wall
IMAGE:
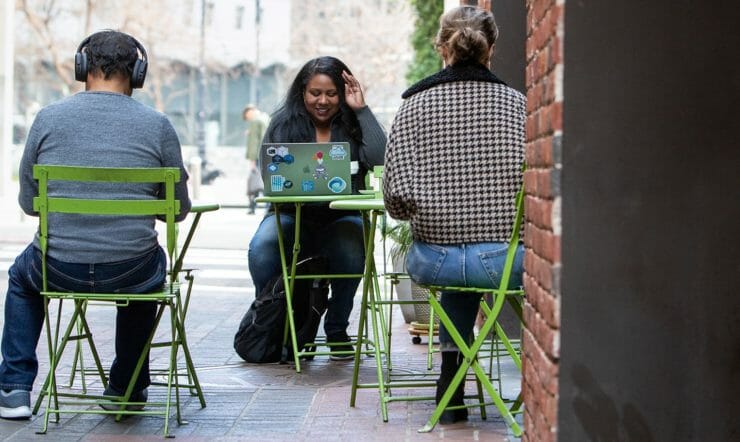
(541, 338)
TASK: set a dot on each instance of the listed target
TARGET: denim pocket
(60, 277)
(424, 261)
(148, 275)
(493, 262)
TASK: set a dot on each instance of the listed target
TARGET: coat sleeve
(374, 140)
(398, 174)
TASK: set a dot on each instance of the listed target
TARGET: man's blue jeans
(461, 265)
(340, 241)
(24, 311)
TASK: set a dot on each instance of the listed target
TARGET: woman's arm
(372, 150)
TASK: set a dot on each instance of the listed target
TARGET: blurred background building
(208, 58)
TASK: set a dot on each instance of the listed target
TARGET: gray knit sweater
(105, 130)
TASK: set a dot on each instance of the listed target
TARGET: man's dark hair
(111, 53)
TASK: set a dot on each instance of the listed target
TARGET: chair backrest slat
(168, 207)
(106, 174)
(105, 207)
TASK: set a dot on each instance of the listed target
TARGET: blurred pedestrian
(257, 122)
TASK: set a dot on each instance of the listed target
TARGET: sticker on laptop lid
(320, 170)
(337, 184)
(337, 152)
(276, 183)
(307, 185)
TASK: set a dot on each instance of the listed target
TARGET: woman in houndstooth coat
(453, 166)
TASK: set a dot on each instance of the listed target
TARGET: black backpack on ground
(260, 335)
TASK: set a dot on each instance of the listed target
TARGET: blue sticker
(307, 186)
(337, 152)
(272, 167)
(289, 159)
(276, 183)
(337, 184)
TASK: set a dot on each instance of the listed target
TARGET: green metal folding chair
(470, 352)
(168, 298)
(78, 361)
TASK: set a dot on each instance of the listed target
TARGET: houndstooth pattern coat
(453, 163)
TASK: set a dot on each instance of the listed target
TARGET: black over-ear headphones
(137, 75)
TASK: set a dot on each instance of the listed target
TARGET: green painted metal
(470, 352)
(169, 298)
(289, 270)
(373, 305)
(310, 199)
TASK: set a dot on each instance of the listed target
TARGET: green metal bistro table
(289, 270)
(388, 378)
(374, 303)
(370, 208)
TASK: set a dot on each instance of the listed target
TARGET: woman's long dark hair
(291, 122)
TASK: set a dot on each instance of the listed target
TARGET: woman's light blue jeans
(461, 265)
(24, 311)
(340, 241)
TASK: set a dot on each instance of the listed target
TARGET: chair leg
(173, 372)
(470, 360)
(78, 364)
(481, 399)
(192, 377)
(430, 339)
(50, 384)
(190, 368)
(140, 363)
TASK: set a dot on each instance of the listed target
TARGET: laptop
(304, 169)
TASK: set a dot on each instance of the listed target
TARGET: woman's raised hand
(353, 92)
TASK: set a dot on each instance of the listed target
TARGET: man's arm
(172, 157)
(29, 187)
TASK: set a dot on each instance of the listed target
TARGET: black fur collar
(457, 72)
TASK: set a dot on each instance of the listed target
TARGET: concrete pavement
(248, 401)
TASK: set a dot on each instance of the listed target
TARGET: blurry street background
(207, 60)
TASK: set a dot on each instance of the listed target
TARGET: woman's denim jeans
(340, 241)
(461, 265)
(24, 311)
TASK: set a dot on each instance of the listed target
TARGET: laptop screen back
(290, 169)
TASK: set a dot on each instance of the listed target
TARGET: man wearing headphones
(104, 127)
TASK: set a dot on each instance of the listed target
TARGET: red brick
(539, 268)
(538, 211)
(539, 153)
(538, 182)
(544, 302)
(531, 129)
(538, 8)
(555, 112)
(540, 359)
(545, 242)
(547, 338)
(536, 96)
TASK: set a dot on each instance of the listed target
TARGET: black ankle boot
(451, 361)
